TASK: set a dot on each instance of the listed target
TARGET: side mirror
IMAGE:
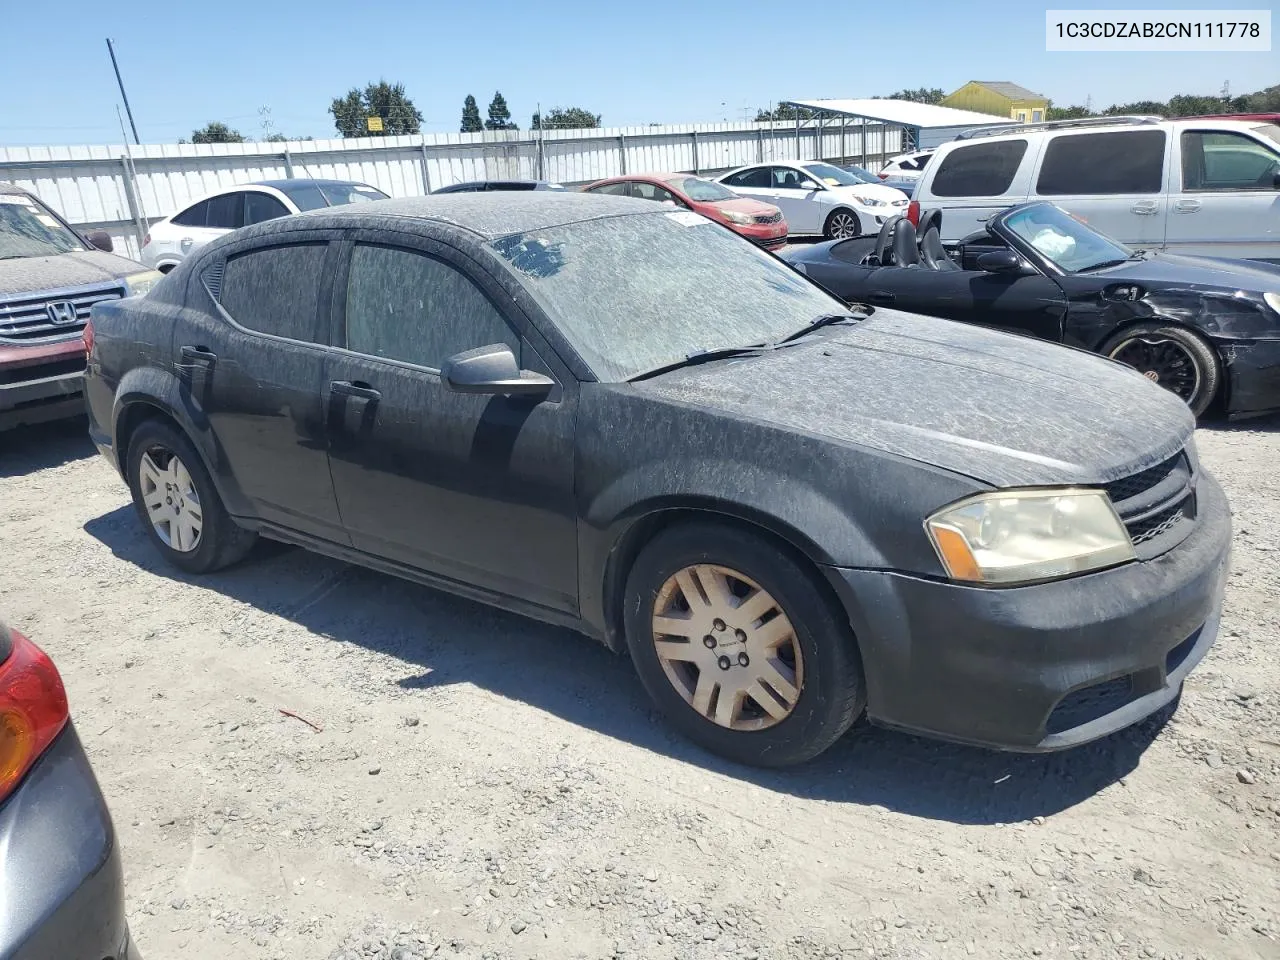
(1000, 261)
(100, 239)
(492, 370)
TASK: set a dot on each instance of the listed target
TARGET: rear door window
(227, 211)
(1114, 163)
(979, 169)
(755, 177)
(276, 290)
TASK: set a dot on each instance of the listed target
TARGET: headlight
(870, 201)
(741, 219)
(1273, 301)
(1017, 536)
(138, 284)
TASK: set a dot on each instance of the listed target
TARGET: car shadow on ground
(448, 640)
(25, 450)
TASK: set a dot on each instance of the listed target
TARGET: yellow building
(1000, 98)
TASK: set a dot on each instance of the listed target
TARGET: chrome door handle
(1145, 208)
(1187, 206)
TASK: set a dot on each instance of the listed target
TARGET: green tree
(569, 118)
(1191, 105)
(388, 101)
(1262, 101)
(471, 116)
(921, 95)
(1137, 106)
(499, 114)
(217, 133)
(281, 138)
(1074, 112)
(784, 111)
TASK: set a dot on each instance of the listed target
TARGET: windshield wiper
(825, 320)
(704, 356)
(1103, 265)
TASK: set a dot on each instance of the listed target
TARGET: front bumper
(41, 383)
(1041, 667)
(1253, 373)
(61, 883)
(765, 234)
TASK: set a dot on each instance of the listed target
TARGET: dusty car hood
(1003, 409)
(34, 274)
(1177, 270)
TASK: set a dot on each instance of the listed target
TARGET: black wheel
(1174, 357)
(178, 503)
(738, 646)
(841, 225)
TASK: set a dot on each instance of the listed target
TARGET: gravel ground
(487, 787)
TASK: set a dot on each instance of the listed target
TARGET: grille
(1178, 655)
(27, 319)
(1159, 523)
(769, 217)
(1130, 486)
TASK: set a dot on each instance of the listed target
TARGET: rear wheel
(739, 647)
(1173, 357)
(178, 503)
(842, 224)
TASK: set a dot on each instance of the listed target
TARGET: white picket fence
(124, 189)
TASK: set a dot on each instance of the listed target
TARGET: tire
(816, 657)
(842, 224)
(163, 465)
(1174, 357)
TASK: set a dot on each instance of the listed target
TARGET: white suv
(1209, 187)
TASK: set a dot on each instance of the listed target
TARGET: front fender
(163, 391)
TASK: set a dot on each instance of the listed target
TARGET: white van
(1209, 187)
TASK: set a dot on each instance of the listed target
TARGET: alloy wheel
(844, 226)
(1162, 361)
(727, 647)
(170, 498)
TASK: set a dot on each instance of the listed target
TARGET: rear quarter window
(979, 169)
(1123, 163)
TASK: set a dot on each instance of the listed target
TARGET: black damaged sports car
(632, 422)
(1206, 328)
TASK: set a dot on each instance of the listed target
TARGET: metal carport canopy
(926, 124)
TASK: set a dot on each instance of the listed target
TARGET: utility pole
(123, 96)
(264, 114)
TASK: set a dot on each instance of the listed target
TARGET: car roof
(298, 181)
(491, 215)
(12, 189)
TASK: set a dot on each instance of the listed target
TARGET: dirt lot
(486, 787)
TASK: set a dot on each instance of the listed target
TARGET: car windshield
(1063, 240)
(27, 229)
(832, 176)
(696, 188)
(312, 195)
(862, 176)
(633, 293)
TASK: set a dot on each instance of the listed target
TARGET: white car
(906, 166)
(171, 240)
(1201, 186)
(817, 198)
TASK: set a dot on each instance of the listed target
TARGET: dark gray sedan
(61, 886)
(627, 420)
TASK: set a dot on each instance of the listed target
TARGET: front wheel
(739, 647)
(841, 225)
(1173, 357)
(178, 503)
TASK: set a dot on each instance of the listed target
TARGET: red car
(761, 222)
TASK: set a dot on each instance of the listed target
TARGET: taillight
(913, 212)
(87, 334)
(883, 176)
(33, 709)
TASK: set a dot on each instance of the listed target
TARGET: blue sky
(671, 61)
